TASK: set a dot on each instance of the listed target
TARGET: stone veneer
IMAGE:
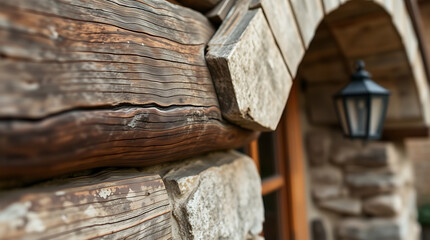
(365, 188)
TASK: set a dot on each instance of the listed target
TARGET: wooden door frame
(296, 169)
(290, 180)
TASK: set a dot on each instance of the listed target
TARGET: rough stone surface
(349, 206)
(343, 150)
(376, 154)
(318, 144)
(324, 192)
(217, 196)
(326, 175)
(249, 74)
(365, 191)
(383, 205)
(372, 183)
(372, 229)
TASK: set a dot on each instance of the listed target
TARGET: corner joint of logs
(250, 76)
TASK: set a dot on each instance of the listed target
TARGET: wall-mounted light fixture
(361, 106)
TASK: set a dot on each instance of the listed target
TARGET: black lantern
(361, 106)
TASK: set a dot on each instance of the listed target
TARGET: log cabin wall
(124, 83)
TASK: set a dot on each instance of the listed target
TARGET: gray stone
(217, 196)
(384, 205)
(343, 151)
(372, 229)
(249, 72)
(376, 154)
(326, 175)
(318, 144)
(324, 192)
(348, 206)
(372, 183)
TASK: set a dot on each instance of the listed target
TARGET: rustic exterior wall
(361, 191)
(213, 196)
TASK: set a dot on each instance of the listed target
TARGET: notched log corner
(249, 73)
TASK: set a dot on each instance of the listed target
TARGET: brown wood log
(87, 84)
(108, 205)
(60, 55)
(126, 136)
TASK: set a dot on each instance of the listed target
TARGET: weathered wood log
(60, 55)
(250, 75)
(105, 83)
(126, 136)
(109, 205)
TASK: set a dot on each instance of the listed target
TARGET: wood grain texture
(105, 83)
(250, 75)
(59, 55)
(373, 30)
(109, 205)
(125, 136)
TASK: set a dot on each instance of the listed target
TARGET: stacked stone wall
(365, 188)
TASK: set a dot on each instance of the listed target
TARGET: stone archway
(363, 30)
(274, 36)
(361, 191)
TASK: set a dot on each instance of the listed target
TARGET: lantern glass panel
(342, 115)
(357, 115)
(376, 115)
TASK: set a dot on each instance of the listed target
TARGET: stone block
(348, 206)
(343, 150)
(372, 182)
(326, 175)
(249, 73)
(372, 155)
(371, 229)
(376, 155)
(318, 144)
(324, 192)
(384, 205)
(217, 196)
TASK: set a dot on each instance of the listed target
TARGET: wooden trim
(252, 151)
(400, 133)
(287, 230)
(296, 167)
(271, 184)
